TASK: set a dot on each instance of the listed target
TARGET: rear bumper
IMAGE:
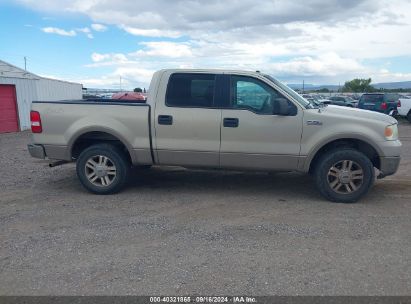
(393, 112)
(36, 151)
(389, 165)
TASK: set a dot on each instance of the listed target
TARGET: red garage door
(8, 109)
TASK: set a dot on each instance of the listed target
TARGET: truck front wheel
(409, 116)
(103, 169)
(344, 176)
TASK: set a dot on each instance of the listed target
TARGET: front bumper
(36, 151)
(389, 165)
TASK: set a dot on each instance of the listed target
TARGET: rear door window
(191, 90)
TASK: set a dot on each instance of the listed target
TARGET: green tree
(138, 90)
(358, 86)
(322, 90)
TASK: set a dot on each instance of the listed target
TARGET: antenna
(25, 63)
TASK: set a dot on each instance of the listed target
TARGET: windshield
(301, 100)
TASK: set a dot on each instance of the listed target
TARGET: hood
(358, 113)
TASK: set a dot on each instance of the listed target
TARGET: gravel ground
(177, 232)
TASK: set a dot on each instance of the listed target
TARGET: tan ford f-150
(218, 119)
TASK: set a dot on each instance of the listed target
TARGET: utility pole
(25, 63)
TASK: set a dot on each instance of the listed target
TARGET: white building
(18, 88)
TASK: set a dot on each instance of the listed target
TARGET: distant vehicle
(310, 99)
(404, 108)
(129, 96)
(106, 95)
(316, 100)
(343, 101)
(380, 102)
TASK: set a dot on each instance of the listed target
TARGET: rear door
(252, 135)
(187, 122)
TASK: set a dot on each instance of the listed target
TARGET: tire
(409, 116)
(344, 176)
(103, 169)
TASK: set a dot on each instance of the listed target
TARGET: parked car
(129, 96)
(380, 102)
(311, 99)
(316, 100)
(404, 108)
(218, 119)
(343, 101)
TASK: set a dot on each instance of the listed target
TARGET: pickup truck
(404, 108)
(218, 119)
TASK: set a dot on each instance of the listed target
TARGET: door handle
(230, 122)
(165, 120)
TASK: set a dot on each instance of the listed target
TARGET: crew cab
(218, 119)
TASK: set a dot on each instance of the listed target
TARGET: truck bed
(126, 121)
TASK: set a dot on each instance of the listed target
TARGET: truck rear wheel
(344, 176)
(103, 169)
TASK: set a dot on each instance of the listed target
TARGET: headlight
(391, 132)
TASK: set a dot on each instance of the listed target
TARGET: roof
(9, 70)
(214, 71)
(12, 71)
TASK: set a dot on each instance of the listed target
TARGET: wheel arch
(90, 136)
(359, 144)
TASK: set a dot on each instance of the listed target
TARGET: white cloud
(328, 64)
(164, 49)
(211, 15)
(96, 57)
(86, 31)
(58, 31)
(99, 27)
(55, 30)
(322, 40)
(131, 77)
(100, 60)
(150, 32)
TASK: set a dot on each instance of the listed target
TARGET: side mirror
(285, 108)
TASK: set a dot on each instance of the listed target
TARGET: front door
(253, 136)
(187, 123)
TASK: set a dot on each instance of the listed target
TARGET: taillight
(384, 106)
(35, 122)
(399, 104)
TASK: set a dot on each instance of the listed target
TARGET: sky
(95, 42)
